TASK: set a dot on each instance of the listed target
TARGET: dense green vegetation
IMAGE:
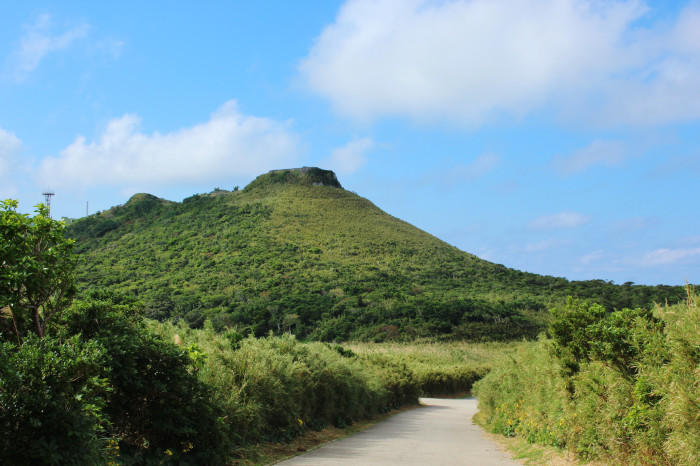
(84, 382)
(274, 388)
(440, 368)
(294, 252)
(90, 381)
(618, 386)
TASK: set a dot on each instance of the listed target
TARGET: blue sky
(560, 138)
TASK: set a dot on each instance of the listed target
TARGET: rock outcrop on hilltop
(308, 176)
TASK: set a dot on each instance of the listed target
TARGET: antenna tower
(47, 200)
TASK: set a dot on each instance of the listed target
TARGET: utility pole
(47, 200)
(87, 204)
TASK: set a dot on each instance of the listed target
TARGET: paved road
(440, 432)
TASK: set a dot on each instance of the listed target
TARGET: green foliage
(104, 387)
(51, 401)
(674, 377)
(439, 368)
(274, 388)
(570, 330)
(524, 394)
(583, 331)
(634, 396)
(293, 252)
(157, 408)
(98, 386)
(36, 270)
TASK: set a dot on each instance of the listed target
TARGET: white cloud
(594, 256)
(9, 146)
(479, 167)
(560, 220)
(112, 47)
(449, 176)
(664, 84)
(37, 42)
(470, 61)
(607, 153)
(665, 256)
(228, 144)
(634, 224)
(544, 245)
(349, 158)
(693, 239)
(673, 165)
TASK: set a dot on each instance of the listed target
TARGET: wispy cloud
(692, 239)
(228, 144)
(350, 157)
(9, 148)
(634, 224)
(599, 152)
(477, 168)
(544, 245)
(9, 145)
(560, 220)
(674, 165)
(449, 176)
(38, 41)
(471, 61)
(666, 256)
(594, 256)
(112, 47)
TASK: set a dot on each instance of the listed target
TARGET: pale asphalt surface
(440, 432)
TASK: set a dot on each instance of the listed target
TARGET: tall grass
(439, 368)
(274, 388)
(644, 412)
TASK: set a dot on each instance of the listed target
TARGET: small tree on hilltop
(36, 270)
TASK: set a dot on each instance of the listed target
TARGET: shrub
(618, 386)
(273, 388)
(158, 409)
(81, 375)
(51, 401)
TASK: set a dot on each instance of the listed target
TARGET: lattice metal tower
(47, 200)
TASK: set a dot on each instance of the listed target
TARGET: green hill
(293, 251)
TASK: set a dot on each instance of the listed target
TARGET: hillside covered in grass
(294, 251)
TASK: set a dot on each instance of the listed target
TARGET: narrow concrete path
(440, 432)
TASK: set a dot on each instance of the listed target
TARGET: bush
(51, 401)
(158, 409)
(617, 386)
(273, 388)
(105, 388)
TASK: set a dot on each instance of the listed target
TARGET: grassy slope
(322, 262)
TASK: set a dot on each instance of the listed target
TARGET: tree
(158, 410)
(584, 331)
(36, 270)
(99, 386)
